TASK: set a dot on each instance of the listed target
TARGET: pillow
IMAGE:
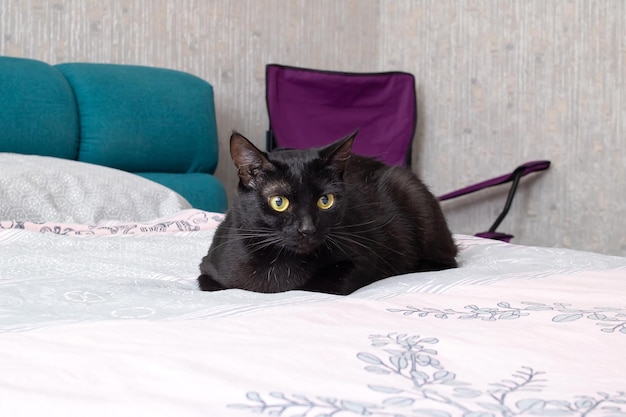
(40, 188)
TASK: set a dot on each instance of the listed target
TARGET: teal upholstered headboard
(38, 113)
(154, 122)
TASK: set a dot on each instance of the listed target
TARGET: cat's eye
(278, 203)
(326, 201)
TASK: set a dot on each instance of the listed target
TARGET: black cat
(323, 220)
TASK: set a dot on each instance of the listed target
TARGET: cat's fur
(383, 222)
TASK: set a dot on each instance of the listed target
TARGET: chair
(514, 177)
(311, 108)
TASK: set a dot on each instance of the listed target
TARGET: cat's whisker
(252, 236)
(264, 244)
(366, 223)
(331, 240)
(357, 228)
(280, 252)
(366, 259)
(368, 248)
(369, 240)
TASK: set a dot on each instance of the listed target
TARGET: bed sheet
(108, 320)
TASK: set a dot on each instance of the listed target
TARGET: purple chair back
(311, 108)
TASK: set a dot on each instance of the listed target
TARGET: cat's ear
(338, 153)
(251, 163)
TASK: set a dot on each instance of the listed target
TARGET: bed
(100, 315)
(103, 317)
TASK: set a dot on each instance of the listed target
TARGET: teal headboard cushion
(37, 110)
(167, 115)
(196, 188)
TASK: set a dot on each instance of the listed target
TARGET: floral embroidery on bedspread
(412, 376)
(611, 319)
(185, 221)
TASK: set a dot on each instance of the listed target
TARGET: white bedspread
(107, 321)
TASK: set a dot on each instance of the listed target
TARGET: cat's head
(292, 197)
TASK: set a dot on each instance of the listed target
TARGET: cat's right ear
(251, 163)
(338, 153)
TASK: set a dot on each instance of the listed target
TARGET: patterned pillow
(40, 188)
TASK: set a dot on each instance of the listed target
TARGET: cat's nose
(306, 228)
(306, 231)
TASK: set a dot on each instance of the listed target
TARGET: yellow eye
(278, 203)
(326, 201)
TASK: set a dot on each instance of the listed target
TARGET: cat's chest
(275, 274)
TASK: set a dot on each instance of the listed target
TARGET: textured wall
(499, 83)
(509, 81)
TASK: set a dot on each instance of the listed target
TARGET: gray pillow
(40, 188)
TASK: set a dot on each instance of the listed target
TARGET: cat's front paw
(207, 283)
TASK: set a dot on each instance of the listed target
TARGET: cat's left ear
(251, 163)
(338, 153)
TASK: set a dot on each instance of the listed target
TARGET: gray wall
(499, 83)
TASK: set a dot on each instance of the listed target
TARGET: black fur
(383, 222)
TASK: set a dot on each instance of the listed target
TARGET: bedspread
(107, 320)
